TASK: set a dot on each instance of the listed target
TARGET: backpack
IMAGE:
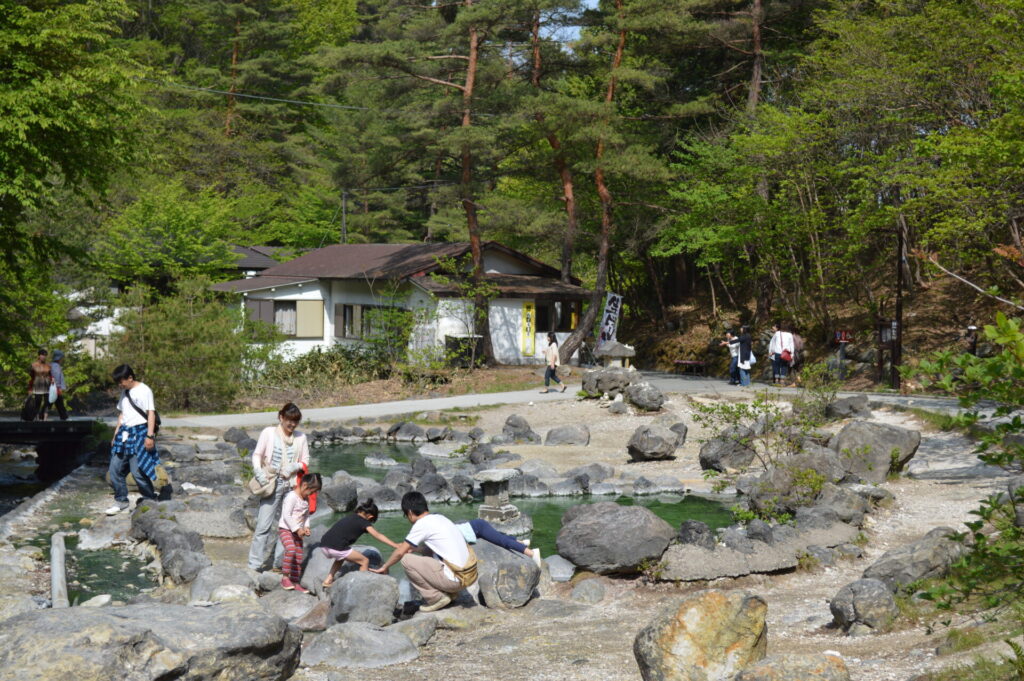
(156, 414)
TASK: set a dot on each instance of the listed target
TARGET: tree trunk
(229, 117)
(480, 304)
(754, 92)
(575, 339)
(564, 173)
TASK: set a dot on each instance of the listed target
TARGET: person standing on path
(57, 372)
(133, 447)
(39, 384)
(781, 349)
(551, 364)
(733, 343)
(746, 355)
(280, 453)
(450, 568)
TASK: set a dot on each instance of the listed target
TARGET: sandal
(327, 582)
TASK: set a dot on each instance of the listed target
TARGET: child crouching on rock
(337, 542)
(293, 526)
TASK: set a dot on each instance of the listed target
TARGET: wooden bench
(691, 366)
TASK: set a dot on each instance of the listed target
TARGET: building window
(285, 316)
(555, 316)
(347, 320)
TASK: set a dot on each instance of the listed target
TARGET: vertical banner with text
(529, 329)
(610, 318)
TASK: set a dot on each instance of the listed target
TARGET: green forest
(759, 159)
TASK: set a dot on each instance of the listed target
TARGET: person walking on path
(39, 379)
(551, 364)
(280, 453)
(133, 447)
(733, 343)
(746, 355)
(57, 372)
(452, 565)
(337, 542)
(781, 348)
(293, 526)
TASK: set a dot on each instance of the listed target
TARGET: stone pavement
(668, 383)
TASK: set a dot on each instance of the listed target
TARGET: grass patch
(959, 640)
(981, 669)
(934, 421)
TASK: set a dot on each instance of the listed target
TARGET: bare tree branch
(934, 259)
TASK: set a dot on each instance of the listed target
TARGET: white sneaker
(536, 558)
(444, 600)
(526, 543)
(115, 509)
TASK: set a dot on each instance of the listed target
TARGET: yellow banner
(529, 329)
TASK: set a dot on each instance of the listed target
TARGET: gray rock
(595, 472)
(233, 593)
(406, 432)
(698, 533)
(588, 591)
(379, 461)
(680, 429)
(527, 486)
(422, 466)
(867, 601)
(644, 396)
(727, 452)
(651, 443)
(437, 434)
(420, 628)
(436, 488)
(855, 406)
(927, 557)
(103, 533)
(181, 550)
(822, 555)
(364, 597)
(759, 530)
(791, 482)
(211, 577)
(598, 489)
(572, 487)
(288, 605)
(212, 515)
(386, 498)
(849, 551)
(507, 579)
(869, 451)
(317, 618)
(609, 380)
(481, 452)
(317, 565)
(400, 480)
(475, 433)
(848, 505)
(360, 645)
(516, 429)
(873, 494)
(736, 538)
(448, 449)
(793, 667)
(462, 486)
(235, 435)
(618, 407)
(560, 569)
(231, 642)
(608, 538)
(207, 473)
(575, 434)
(660, 484)
(340, 496)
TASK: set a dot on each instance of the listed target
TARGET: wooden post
(58, 576)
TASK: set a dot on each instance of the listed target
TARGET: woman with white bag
(280, 453)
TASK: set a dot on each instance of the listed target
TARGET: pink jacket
(264, 452)
(294, 513)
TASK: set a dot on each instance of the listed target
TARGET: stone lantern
(614, 353)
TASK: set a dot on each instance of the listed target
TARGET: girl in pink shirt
(293, 526)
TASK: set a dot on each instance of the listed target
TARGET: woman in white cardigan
(280, 453)
(781, 348)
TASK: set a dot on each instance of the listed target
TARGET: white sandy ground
(595, 643)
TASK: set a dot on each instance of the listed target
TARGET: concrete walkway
(668, 383)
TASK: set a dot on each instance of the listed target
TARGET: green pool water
(545, 511)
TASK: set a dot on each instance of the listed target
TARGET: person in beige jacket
(551, 364)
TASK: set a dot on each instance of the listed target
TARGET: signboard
(610, 318)
(529, 329)
(844, 336)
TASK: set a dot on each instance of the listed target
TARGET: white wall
(496, 261)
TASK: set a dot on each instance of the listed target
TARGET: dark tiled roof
(255, 257)
(258, 283)
(514, 286)
(367, 261)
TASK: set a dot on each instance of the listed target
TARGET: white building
(321, 298)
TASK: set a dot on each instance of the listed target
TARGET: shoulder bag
(264, 490)
(156, 414)
(466, 574)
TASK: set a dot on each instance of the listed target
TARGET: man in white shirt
(133, 447)
(434, 576)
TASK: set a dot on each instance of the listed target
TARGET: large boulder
(651, 443)
(290, 606)
(214, 515)
(151, 642)
(866, 602)
(609, 380)
(849, 407)
(406, 431)
(709, 635)
(698, 533)
(644, 396)
(927, 557)
(517, 430)
(436, 488)
(574, 434)
(364, 597)
(793, 667)
(507, 579)
(870, 451)
(235, 435)
(595, 472)
(316, 566)
(607, 538)
(358, 644)
(340, 495)
(795, 481)
(209, 578)
(181, 551)
(848, 505)
(729, 451)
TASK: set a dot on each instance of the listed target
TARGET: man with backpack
(133, 447)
